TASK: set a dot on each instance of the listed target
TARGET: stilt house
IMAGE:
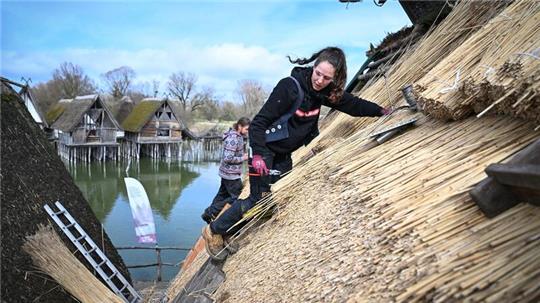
(86, 129)
(153, 128)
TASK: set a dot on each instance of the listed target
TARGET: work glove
(259, 165)
(386, 111)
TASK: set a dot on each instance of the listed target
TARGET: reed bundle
(493, 64)
(361, 222)
(464, 20)
(49, 253)
(394, 222)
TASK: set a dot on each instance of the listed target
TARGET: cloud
(219, 66)
(220, 51)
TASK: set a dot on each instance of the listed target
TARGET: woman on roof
(288, 120)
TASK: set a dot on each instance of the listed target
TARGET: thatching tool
(389, 132)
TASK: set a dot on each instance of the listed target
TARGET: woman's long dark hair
(336, 57)
(243, 122)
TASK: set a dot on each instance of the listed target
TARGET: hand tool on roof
(391, 131)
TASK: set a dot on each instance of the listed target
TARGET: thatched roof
(125, 108)
(361, 222)
(143, 112)
(33, 175)
(56, 110)
(69, 112)
(25, 92)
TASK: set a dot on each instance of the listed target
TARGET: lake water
(178, 193)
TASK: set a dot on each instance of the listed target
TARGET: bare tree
(205, 96)
(209, 109)
(118, 80)
(155, 88)
(230, 111)
(182, 86)
(252, 96)
(71, 81)
(68, 81)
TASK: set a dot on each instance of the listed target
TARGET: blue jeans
(257, 186)
(229, 190)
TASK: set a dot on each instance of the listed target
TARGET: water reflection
(178, 193)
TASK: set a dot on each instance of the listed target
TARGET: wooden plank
(519, 175)
(493, 197)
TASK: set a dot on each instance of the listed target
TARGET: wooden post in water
(158, 251)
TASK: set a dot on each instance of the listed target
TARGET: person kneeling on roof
(288, 120)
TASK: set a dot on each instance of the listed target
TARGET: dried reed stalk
(464, 20)
(394, 222)
(49, 253)
(496, 66)
(406, 199)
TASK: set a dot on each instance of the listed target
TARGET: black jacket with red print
(303, 124)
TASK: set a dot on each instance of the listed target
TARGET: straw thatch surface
(32, 175)
(56, 110)
(143, 112)
(124, 109)
(360, 222)
(49, 253)
(394, 222)
(500, 61)
(72, 113)
(69, 113)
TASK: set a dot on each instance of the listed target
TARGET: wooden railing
(159, 263)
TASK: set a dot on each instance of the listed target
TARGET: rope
(535, 54)
(454, 86)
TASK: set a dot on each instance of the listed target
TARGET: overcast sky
(221, 42)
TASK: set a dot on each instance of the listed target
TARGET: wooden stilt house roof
(144, 111)
(69, 112)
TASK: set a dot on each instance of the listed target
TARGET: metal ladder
(93, 254)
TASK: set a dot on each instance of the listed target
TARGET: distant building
(153, 128)
(86, 129)
(31, 104)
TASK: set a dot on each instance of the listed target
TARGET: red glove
(258, 164)
(386, 111)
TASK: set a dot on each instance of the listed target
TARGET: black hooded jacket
(303, 124)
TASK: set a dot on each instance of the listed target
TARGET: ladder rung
(92, 250)
(101, 263)
(121, 289)
(112, 276)
(70, 224)
(56, 213)
(80, 238)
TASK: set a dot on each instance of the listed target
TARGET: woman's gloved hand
(259, 165)
(386, 111)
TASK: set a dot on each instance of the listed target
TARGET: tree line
(69, 80)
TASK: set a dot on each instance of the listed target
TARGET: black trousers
(257, 186)
(229, 190)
